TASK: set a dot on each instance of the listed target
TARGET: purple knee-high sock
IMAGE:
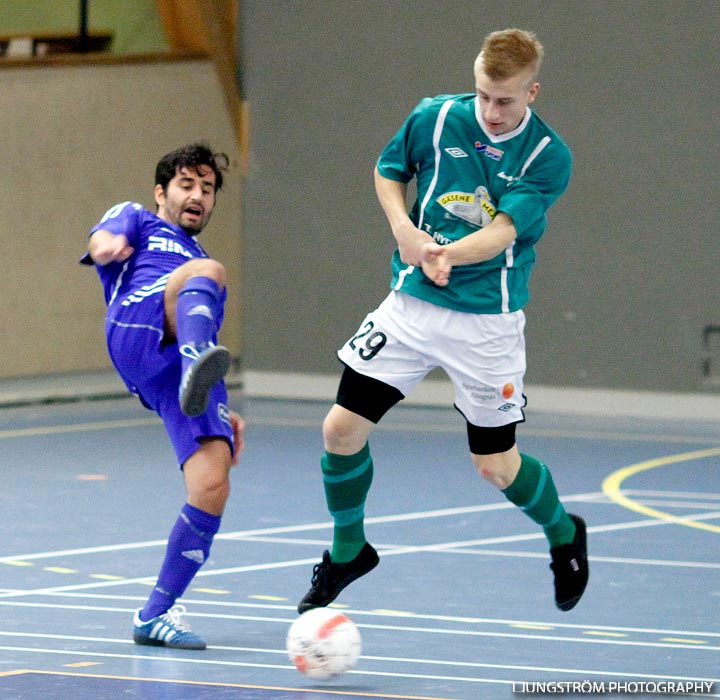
(197, 315)
(187, 550)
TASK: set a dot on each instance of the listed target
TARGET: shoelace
(174, 616)
(321, 574)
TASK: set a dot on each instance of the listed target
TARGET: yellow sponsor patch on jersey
(451, 197)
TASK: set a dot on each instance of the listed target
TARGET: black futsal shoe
(329, 579)
(570, 565)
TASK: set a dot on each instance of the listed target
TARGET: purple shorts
(152, 371)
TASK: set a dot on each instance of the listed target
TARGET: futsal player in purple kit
(165, 302)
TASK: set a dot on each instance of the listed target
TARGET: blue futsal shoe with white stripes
(167, 630)
(209, 367)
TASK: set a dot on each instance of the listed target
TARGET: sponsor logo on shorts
(480, 392)
(485, 392)
(224, 413)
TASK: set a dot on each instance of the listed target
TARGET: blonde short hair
(506, 53)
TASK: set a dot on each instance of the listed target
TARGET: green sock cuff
(334, 463)
(522, 489)
(562, 532)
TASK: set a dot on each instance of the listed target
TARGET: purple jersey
(160, 247)
(135, 329)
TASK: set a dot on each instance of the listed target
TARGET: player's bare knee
(210, 495)
(335, 433)
(208, 267)
(493, 469)
(207, 476)
(201, 267)
(494, 453)
(341, 434)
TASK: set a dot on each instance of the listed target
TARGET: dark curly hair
(190, 156)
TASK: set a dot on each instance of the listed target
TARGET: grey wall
(628, 272)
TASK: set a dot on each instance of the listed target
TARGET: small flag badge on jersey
(489, 151)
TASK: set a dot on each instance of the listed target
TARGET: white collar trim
(497, 138)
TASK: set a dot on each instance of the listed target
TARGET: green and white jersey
(464, 176)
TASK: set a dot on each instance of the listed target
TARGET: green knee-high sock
(347, 480)
(534, 492)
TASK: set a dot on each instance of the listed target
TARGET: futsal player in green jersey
(487, 169)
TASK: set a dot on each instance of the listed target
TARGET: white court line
(410, 549)
(283, 529)
(594, 496)
(514, 554)
(674, 563)
(359, 672)
(366, 658)
(355, 613)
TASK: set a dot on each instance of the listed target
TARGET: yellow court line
(59, 570)
(82, 664)
(611, 487)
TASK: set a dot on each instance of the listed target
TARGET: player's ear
(533, 92)
(159, 193)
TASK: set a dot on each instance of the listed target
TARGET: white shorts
(483, 354)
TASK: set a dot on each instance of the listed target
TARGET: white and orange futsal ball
(323, 643)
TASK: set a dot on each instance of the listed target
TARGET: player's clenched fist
(435, 263)
(105, 247)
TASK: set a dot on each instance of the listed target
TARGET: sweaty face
(503, 102)
(188, 199)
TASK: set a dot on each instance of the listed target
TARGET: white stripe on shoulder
(536, 152)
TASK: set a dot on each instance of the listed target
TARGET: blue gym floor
(460, 607)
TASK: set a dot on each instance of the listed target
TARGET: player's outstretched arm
(105, 247)
(392, 197)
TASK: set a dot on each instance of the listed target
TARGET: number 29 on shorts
(367, 342)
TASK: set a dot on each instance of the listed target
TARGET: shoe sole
(582, 530)
(148, 642)
(207, 371)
